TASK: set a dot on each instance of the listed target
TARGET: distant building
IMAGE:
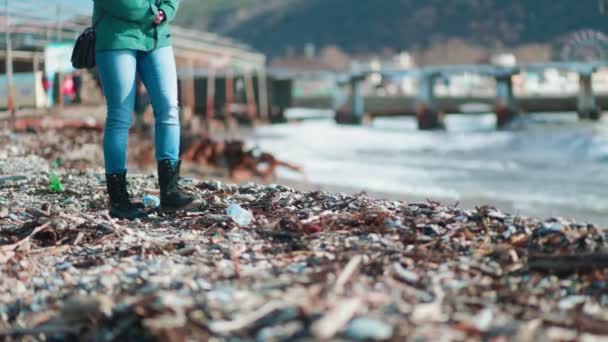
(329, 59)
(504, 60)
(43, 50)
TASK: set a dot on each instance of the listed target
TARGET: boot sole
(192, 205)
(128, 218)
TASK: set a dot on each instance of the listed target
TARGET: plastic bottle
(151, 201)
(239, 215)
(54, 182)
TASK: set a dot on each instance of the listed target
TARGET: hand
(160, 17)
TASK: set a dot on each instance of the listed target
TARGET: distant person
(133, 37)
(46, 84)
(67, 89)
(46, 87)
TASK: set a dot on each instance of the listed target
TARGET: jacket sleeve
(138, 11)
(170, 8)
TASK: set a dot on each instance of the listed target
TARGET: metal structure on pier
(428, 113)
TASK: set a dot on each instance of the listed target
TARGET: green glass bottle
(54, 182)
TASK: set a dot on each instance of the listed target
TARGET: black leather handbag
(83, 55)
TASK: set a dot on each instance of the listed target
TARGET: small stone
(571, 302)
(483, 320)
(363, 328)
(244, 198)
(394, 223)
(553, 226)
(405, 274)
(496, 215)
(3, 212)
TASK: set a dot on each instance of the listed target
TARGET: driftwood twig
(567, 263)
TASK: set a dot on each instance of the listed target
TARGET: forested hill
(369, 25)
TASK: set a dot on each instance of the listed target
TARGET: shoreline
(538, 211)
(91, 154)
(469, 203)
(527, 208)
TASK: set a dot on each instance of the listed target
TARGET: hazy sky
(84, 4)
(47, 9)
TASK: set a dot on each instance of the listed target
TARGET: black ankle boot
(120, 203)
(172, 199)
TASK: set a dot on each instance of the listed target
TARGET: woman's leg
(117, 70)
(158, 73)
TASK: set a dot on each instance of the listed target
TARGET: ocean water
(548, 165)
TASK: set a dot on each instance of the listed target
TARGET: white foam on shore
(549, 162)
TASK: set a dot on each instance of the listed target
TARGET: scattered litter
(151, 201)
(238, 214)
(310, 266)
(55, 182)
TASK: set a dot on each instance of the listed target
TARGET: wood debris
(311, 265)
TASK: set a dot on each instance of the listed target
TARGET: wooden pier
(430, 110)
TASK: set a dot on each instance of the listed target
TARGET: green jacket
(129, 24)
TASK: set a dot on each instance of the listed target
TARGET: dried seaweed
(312, 265)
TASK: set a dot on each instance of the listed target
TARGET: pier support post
(210, 111)
(587, 104)
(281, 98)
(229, 95)
(188, 93)
(426, 104)
(353, 114)
(263, 94)
(252, 108)
(505, 101)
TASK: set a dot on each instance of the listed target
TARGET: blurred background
(469, 102)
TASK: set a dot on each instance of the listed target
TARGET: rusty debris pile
(311, 266)
(78, 142)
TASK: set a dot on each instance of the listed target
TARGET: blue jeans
(117, 71)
